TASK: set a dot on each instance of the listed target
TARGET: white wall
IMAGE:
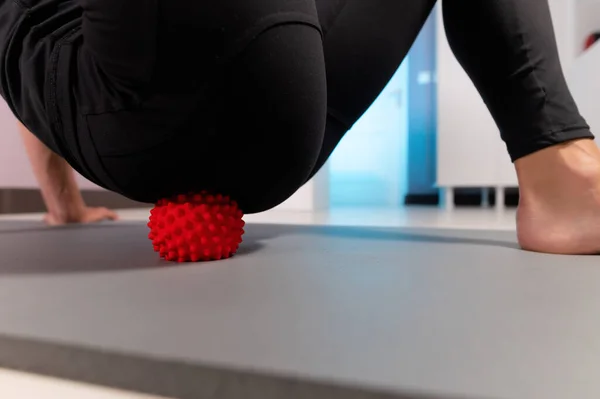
(587, 21)
(585, 85)
(369, 167)
(14, 168)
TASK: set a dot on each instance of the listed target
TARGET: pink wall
(15, 171)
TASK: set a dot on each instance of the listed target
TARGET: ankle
(552, 170)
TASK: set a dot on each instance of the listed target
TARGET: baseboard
(422, 199)
(464, 197)
(30, 200)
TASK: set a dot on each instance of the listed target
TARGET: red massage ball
(196, 227)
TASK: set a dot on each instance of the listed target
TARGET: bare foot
(559, 210)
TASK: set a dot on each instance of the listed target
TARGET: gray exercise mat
(302, 313)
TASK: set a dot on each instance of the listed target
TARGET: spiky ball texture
(196, 227)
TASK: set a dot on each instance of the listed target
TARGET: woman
(249, 98)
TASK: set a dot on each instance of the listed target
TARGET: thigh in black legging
(509, 50)
(274, 120)
(365, 42)
(260, 137)
(136, 41)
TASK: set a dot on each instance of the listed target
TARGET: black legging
(272, 115)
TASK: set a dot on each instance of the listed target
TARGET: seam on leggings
(21, 5)
(339, 117)
(51, 99)
(122, 154)
(266, 23)
(336, 19)
(57, 125)
(557, 132)
(106, 178)
(543, 140)
(538, 82)
(567, 128)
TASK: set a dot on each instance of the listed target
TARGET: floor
(15, 385)
(425, 217)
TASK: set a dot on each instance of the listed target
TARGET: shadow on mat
(263, 232)
(109, 247)
(124, 246)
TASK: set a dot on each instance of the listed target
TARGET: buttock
(197, 36)
(11, 14)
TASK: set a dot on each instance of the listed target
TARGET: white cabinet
(470, 151)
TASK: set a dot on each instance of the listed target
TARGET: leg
(365, 43)
(247, 119)
(269, 131)
(256, 138)
(508, 48)
(172, 45)
(121, 36)
(278, 90)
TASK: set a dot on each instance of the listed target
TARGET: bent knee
(271, 177)
(279, 92)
